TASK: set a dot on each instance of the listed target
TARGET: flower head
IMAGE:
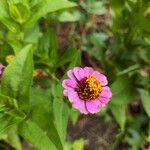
(1, 70)
(86, 89)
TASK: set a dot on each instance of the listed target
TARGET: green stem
(129, 69)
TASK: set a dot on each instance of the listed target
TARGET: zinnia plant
(86, 89)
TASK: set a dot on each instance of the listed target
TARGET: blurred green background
(113, 37)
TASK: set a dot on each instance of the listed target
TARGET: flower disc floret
(89, 88)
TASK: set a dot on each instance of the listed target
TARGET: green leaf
(48, 48)
(41, 113)
(60, 111)
(70, 17)
(119, 113)
(13, 138)
(5, 18)
(135, 139)
(117, 6)
(145, 97)
(17, 77)
(69, 55)
(148, 137)
(31, 132)
(74, 115)
(78, 144)
(44, 7)
(32, 35)
(7, 102)
(141, 21)
(122, 95)
(9, 118)
(19, 12)
(94, 7)
(9, 113)
(98, 39)
(53, 47)
(99, 42)
(44, 44)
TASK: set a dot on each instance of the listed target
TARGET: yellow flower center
(89, 88)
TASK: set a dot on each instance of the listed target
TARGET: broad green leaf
(119, 112)
(141, 21)
(19, 12)
(48, 48)
(148, 137)
(17, 77)
(68, 146)
(9, 112)
(31, 132)
(78, 144)
(99, 42)
(122, 86)
(135, 139)
(5, 18)
(76, 60)
(32, 35)
(98, 39)
(122, 95)
(41, 113)
(4, 51)
(117, 6)
(69, 55)
(145, 97)
(60, 111)
(9, 118)
(53, 47)
(16, 45)
(145, 55)
(44, 7)
(44, 45)
(69, 17)
(74, 115)
(94, 7)
(7, 102)
(13, 138)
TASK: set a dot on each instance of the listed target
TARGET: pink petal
(100, 77)
(106, 92)
(68, 83)
(78, 73)
(93, 106)
(104, 100)
(81, 74)
(88, 71)
(70, 74)
(65, 92)
(75, 100)
(80, 105)
(72, 95)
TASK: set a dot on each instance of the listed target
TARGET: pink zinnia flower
(87, 89)
(1, 70)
